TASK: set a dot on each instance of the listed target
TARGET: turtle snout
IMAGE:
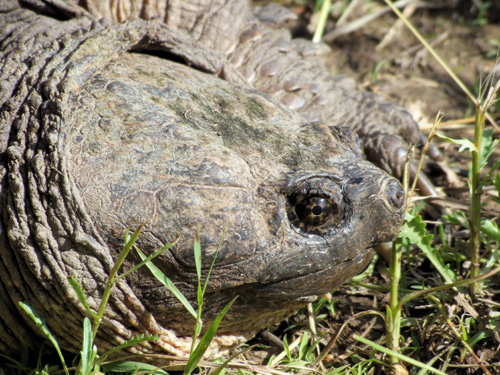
(395, 194)
(388, 210)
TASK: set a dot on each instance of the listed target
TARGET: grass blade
(201, 290)
(130, 342)
(145, 260)
(113, 276)
(398, 355)
(131, 367)
(205, 341)
(86, 353)
(320, 28)
(161, 277)
(33, 314)
(213, 259)
(75, 284)
(197, 255)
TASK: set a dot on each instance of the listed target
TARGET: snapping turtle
(108, 126)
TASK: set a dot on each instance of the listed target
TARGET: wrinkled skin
(98, 135)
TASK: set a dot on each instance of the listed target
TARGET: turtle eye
(315, 211)
(316, 206)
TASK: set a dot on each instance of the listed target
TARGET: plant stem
(476, 192)
(113, 278)
(394, 312)
(320, 28)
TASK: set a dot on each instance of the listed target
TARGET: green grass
(483, 233)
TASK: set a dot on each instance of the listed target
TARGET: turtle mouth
(320, 281)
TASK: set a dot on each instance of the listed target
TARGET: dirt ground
(383, 56)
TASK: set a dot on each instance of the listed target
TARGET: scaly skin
(291, 71)
(97, 137)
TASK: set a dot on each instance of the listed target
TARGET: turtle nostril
(396, 194)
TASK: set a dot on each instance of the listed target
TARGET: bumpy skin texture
(291, 71)
(98, 136)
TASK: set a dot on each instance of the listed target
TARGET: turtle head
(184, 152)
(330, 223)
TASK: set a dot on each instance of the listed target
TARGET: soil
(386, 58)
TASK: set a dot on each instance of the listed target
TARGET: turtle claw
(390, 152)
(387, 131)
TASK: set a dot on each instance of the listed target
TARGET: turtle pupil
(314, 211)
(317, 210)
